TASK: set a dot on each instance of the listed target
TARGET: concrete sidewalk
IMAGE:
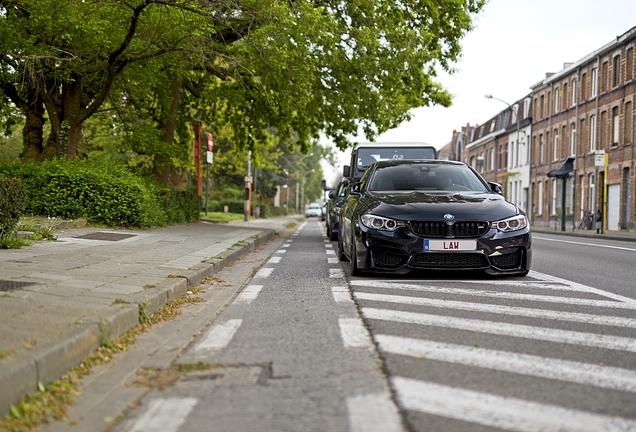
(59, 299)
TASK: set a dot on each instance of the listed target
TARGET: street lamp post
(514, 109)
(303, 187)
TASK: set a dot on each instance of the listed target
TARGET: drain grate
(9, 285)
(106, 236)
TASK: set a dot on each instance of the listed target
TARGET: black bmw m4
(431, 215)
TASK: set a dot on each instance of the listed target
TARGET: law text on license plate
(450, 245)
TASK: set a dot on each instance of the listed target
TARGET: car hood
(487, 206)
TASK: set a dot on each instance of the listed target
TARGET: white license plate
(450, 245)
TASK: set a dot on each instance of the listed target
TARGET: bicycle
(586, 221)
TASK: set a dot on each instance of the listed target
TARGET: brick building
(579, 112)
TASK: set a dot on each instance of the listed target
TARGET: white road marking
(274, 260)
(281, 251)
(524, 364)
(264, 272)
(373, 413)
(500, 412)
(354, 334)
(330, 252)
(333, 260)
(336, 273)
(584, 243)
(582, 287)
(499, 309)
(248, 294)
(286, 245)
(341, 295)
(219, 335)
(496, 294)
(164, 415)
(507, 329)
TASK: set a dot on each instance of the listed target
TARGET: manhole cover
(9, 285)
(106, 236)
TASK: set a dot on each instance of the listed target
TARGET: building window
(555, 149)
(594, 79)
(604, 76)
(573, 139)
(591, 191)
(616, 71)
(556, 100)
(492, 158)
(541, 106)
(580, 138)
(481, 131)
(629, 65)
(628, 123)
(602, 142)
(472, 162)
(592, 133)
(554, 197)
(574, 92)
(492, 126)
(540, 148)
(583, 87)
(540, 198)
(614, 126)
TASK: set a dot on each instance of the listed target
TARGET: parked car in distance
(336, 198)
(431, 215)
(313, 210)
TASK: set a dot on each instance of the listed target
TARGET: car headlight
(379, 222)
(514, 223)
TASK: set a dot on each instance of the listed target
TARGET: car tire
(332, 235)
(340, 252)
(353, 262)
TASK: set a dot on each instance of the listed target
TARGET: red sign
(210, 142)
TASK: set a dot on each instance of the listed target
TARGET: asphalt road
(301, 346)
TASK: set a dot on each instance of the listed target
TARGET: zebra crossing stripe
(373, 413)
(248, 294)
(165, 415)
(496, 294)
(219, 336)
(274, 260)
(507, 329)
(500, 412)
(336, 273)
(582, 287)
(524, 364)
(354, 334)
(499, 309)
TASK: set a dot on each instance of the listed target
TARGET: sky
(513, 45)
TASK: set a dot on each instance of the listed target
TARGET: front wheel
(340, 252)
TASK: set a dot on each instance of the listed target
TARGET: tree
(301, 67)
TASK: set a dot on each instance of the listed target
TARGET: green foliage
(102, 192)
(13, 201)
(233, 205)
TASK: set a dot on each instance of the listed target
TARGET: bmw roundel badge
(449, 217)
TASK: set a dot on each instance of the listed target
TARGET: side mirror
(331, 194)
(354, 189)
(496, 187)
(346, 170)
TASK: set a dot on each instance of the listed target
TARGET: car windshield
(366, 156)
(314, 206)
(425, 177)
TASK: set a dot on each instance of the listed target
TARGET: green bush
(13, 201)
(233, 205)
(102, 192)
(214, 206)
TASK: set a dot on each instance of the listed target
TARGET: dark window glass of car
(425, 178)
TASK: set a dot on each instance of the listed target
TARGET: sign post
(207, 169)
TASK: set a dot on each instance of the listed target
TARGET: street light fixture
(514, 109)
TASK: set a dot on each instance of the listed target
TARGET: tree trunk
(163, 169)
(33, 132)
